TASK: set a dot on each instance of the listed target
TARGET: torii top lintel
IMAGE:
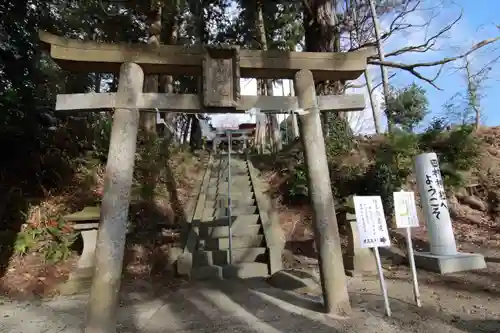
(78, 56)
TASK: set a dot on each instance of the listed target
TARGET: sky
(479, 21)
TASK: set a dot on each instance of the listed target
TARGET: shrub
(296, 184)
(457, 149)
(393, 165)
(407, 107)
(53, 238)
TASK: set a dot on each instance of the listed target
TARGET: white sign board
(405, 210)
(370, 219)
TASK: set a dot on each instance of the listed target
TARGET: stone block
(300, 281)
(357, 261)
(446, 264)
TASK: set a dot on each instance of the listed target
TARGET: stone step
(223, 180)
(223, 184)
(234, 172)
(221, 257)
(237, 221)
(236, 180)
(235, 191)
(222, 203)
(223, 212)
(245, 270)
(237, 243)
(235, 166)
(223, 231)
(224, 165)
(207, 272)
(242, 271)
(234, 196)
(223, 172)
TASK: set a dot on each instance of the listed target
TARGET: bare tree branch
(412, 68)
(380, 83)
(428, 44)
(398, 23)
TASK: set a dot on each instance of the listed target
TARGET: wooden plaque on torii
(221, 77)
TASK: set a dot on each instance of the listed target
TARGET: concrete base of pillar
(446, 264)
(357, 261)
(79, 282)
(360, 264)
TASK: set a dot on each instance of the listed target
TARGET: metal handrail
(229, 210)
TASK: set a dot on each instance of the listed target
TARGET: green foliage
(52, 238)
(151, 158)
(458, 150)
(282, 22)
(101, 130)
(296, 184)
(461, 149)
(393, 165)
(407, 107)
(340, 139)
(398, 151)
(27, 239)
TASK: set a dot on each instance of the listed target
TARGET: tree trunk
(97, 82)
(195, 138)
(186, 130)
(261, 124)
(472, 96)
(385, 77)
(274, 130)
(376, 115)
(151, 82)
(322, 34)
(170, 37)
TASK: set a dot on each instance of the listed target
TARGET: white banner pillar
(434, 204)
(443, 256)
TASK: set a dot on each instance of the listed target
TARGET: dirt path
(253, 306)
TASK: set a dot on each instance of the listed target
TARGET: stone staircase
(255, 239)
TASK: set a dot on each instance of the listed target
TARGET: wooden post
(333, 279)
(104, 294)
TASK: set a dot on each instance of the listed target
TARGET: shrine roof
(88, 56)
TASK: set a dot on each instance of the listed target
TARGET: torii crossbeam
(190, 103)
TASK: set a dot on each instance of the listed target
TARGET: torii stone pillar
(104, 294)
(331, 266)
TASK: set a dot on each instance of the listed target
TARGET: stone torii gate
(221, 69)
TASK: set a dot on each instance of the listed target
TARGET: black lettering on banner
(439, 182)
(435, 210)
(437, 198)
(433, 192)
